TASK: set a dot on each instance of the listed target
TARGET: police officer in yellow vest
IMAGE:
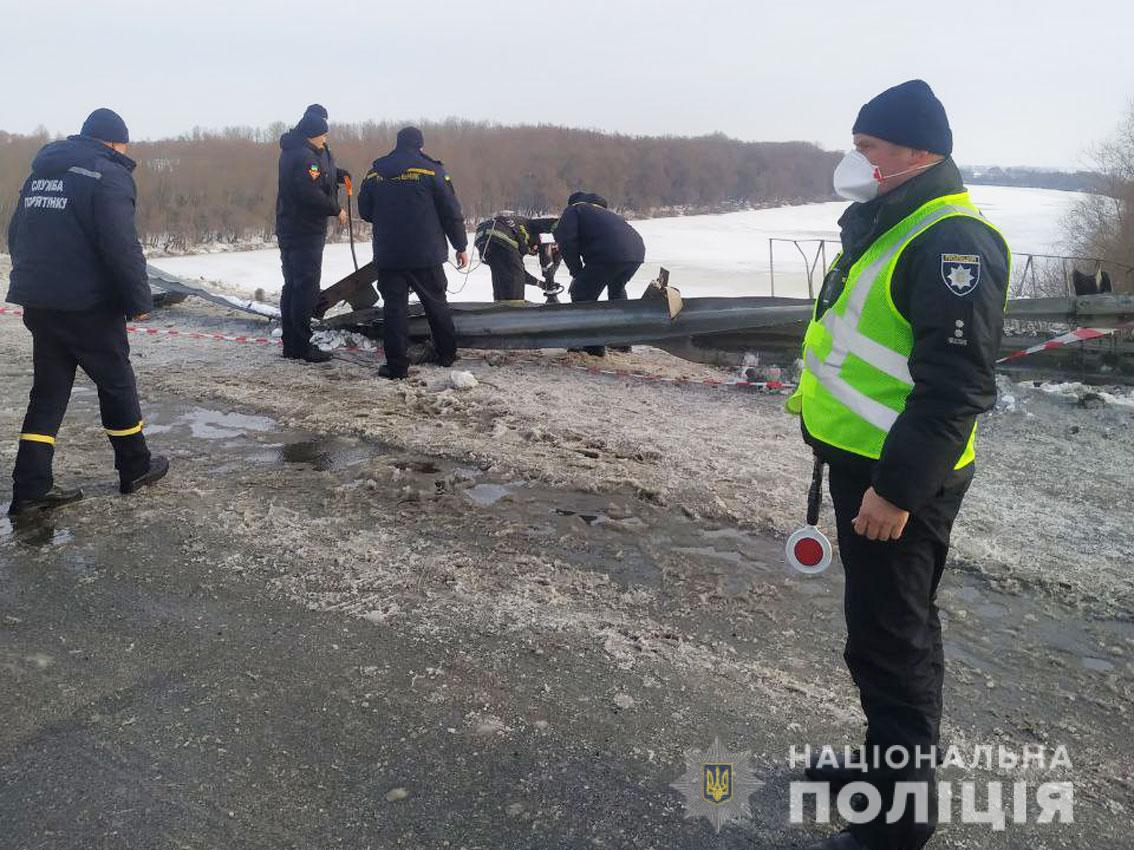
(898, 365)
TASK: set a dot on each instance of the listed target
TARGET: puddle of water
(325, 453)
(589, 518)
(486, 495)
(33, 531)
(1098, 665)
(262, 457)
(991, 611)
(977, 600)
(214, 425)
(969, 593)
(422, 467)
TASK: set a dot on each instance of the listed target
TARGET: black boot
(625, 349)
(159, 466)
(53, 498)
(448, 361)
(384, 371)
(317, 355)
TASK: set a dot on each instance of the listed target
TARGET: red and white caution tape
(1077, 335)
(136, 329)
(760, 386)
(255, 340)
(212, 337)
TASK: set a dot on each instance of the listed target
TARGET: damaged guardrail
(172, 283)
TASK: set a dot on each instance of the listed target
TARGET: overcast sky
(1033, 83)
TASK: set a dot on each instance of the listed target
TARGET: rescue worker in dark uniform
(503, 241)
(600, 249)
(308, 195)
(899, 362)
(329, 164)
(79, 273)
(411, 202)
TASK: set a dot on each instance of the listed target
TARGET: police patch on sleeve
(961, 272)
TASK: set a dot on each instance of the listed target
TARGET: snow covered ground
(706, 254)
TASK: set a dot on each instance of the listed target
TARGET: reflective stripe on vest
(856, 356)
(493, 233)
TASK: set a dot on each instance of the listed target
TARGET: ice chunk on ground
(462, 380)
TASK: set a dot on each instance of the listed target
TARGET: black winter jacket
(308, 191)
(73, 237)
(413, 206)
(956, 335)
(588, 232)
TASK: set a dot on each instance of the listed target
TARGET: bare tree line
(1102, 225)
(220, 186)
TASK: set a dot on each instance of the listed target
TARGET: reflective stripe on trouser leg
(31, 474)
(131, 454)
(38, 438)
(125, 432)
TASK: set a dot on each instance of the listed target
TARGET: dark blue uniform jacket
(308, 192)
(413, 206)
(590, 233)
(73, 237)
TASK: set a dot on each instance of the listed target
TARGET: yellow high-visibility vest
(856, 376)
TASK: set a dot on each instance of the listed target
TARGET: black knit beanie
(410, 137)
(908, 114)
(311, 125)
(106, 125)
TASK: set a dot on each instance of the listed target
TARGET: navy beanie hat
(575, 197)
(908, 114)
(410, 137)
(106, 125)
(317, 109)
(311, 125)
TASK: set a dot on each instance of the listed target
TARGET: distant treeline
(220, 186)
(1034, 178)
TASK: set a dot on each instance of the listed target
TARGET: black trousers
(429, 285)
(613, 277)
(61, 342)
(302, 270)
(589, 283)
(509, 277)
(893, 647)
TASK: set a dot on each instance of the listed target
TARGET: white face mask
(857, 179)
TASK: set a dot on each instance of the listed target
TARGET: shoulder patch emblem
(960, 272)
(313, 171)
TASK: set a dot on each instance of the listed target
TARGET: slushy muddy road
(364, 615)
